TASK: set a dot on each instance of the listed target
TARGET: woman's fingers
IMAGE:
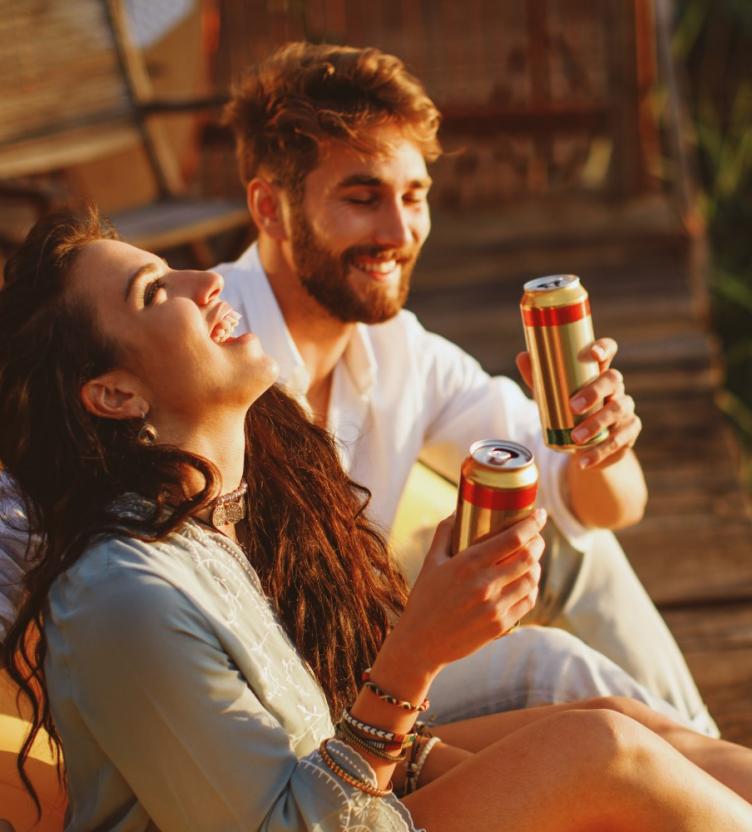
(495, 548)
(440, 548)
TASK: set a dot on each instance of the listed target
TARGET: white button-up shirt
(400, 393)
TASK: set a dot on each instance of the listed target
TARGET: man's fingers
(608, 384)
(603, 351)
(616, 410)
(620, 440)
(522, 360)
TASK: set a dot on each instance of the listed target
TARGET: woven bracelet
(361, 785)
(390, 738)
(392, 700)
(344, 732)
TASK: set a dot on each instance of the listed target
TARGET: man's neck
(320, 338)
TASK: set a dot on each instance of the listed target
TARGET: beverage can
(559, 334)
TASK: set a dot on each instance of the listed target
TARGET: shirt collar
(269, 325)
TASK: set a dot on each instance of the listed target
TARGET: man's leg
(609, 609)
(532, 666)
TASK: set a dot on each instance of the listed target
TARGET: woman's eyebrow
(143, 271)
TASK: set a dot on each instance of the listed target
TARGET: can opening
(499, 456)
(553, 283)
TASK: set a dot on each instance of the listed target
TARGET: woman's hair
(325, 569)
(305, 94)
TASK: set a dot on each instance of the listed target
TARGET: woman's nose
(209, 285)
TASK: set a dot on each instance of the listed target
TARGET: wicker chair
(75, 88)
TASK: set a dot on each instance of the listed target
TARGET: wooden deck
(693, 550)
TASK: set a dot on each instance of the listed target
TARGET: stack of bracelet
(381, 743)
(386, 745)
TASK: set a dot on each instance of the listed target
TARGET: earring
(147, 434)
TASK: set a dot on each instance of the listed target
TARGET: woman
(190, 650)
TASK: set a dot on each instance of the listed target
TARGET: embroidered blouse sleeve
(14, 539)
(164, 702)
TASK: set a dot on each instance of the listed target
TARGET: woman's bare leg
(729, 763)
(579, 770)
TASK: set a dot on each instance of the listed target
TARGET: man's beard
(324, 276)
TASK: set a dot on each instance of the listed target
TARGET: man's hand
(617, 415)
(605, 483)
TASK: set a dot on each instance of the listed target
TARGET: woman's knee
(606, 739)
(632, 708)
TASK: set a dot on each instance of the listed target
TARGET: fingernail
(585, 461)
(600, 353)
(580, 434)
(578, 403)
(541, 515)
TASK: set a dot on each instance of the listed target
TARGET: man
(332, 145)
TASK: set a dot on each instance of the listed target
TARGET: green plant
(713, 41)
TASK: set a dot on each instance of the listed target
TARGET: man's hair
(306, 94)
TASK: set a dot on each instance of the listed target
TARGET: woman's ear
(265, 206)
(114, 395)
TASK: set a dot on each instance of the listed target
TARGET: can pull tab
(553, 283)
(498, 456)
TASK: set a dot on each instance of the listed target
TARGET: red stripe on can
(556, 315)
(498, 499)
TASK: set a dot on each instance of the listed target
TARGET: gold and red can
(498, 487)
(559, 334)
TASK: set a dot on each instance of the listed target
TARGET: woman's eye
(151, 290)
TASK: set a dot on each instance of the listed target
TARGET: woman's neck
(221, 441)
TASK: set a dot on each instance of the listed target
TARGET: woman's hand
(460, 603)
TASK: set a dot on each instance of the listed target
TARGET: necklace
(229, 508)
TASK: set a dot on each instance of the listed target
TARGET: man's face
(358, 229)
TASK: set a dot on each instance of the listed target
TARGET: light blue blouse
(182, 704)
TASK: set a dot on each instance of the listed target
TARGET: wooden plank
(717, 643)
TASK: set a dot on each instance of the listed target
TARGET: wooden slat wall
(533, 88)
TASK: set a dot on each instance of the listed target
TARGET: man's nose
(394, 226)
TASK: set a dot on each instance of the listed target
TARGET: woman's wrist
(401, 668)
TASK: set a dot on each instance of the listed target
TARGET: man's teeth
(378, 266)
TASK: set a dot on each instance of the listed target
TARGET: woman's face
(173, 332)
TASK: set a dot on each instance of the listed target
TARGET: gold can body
(498, 487)
(559, 334)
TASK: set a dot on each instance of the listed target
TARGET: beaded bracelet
(392, 700)
(416, 762)
(391, 739)
(344, 732)
(361, 785)
(423, 756)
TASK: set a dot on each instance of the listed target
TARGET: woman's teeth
(222, 331)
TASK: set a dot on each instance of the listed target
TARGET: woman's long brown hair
(325, 569)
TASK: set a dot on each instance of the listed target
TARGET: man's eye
(362, 200)
(414, 199)
(152, 287)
